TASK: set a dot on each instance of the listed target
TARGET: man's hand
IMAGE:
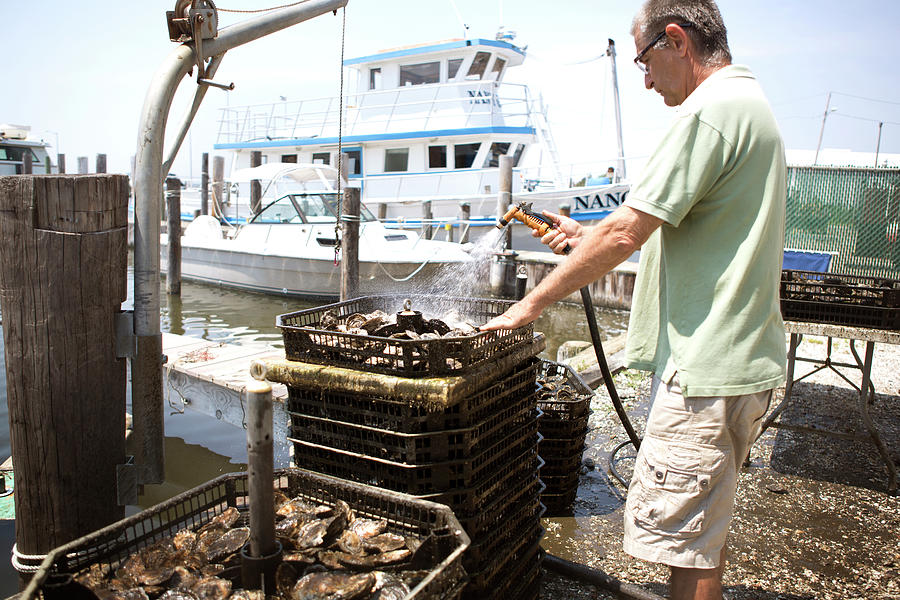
(565, 232)
(516, 316)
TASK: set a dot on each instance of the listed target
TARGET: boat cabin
(16, 147)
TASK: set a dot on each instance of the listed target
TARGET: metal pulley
(195, 21)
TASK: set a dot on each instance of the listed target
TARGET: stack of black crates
(565, 402)
(451, 420)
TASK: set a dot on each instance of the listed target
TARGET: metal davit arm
(147, 404)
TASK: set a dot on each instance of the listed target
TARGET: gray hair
(707, 29)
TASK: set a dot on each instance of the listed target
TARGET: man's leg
(697, 584)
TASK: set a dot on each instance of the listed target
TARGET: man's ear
(678, 37)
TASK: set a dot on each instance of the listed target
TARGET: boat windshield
(304, 208)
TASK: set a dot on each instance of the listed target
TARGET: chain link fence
(852, 213)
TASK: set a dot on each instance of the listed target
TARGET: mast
(611, 53)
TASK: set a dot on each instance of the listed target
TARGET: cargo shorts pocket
(673, 481)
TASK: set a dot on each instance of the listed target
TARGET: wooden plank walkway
(210, 378)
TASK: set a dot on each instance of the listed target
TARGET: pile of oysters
(328, 553)
(407, 324)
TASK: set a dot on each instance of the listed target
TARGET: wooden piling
(255, 185)
(565, 210)
(504, 196)
(101, 163)
(350, 244)
(218, 185)
(27, 163)
(427, 216)
(173, 232)
(465, 216)
(63, 260)
(82, 165)
(61, 163)
(204, 184)
(382, 211)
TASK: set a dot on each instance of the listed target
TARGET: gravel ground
(812, 517)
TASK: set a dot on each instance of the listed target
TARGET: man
(708, 216)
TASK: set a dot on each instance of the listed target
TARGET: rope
(259, 10)
(340, 157)
(17, 557)
(408, 277)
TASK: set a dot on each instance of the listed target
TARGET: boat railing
(426, 107)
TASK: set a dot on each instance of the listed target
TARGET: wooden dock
(210, 378)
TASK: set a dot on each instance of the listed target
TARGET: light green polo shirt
(706, 295)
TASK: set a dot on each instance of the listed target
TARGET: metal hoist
(195, 21)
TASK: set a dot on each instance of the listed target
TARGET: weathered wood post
(204, 184)
(27, 163)
(218, 186)
(82, 165)
(61, 163)
(255, 185)
(504, 196)
(427, 216)
(48, 165)
(63, 259)
(101, 163)
(465, 216)
(565, 210)
(382, 211)
(173, 232)
(350, 244)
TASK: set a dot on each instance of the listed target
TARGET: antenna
(461, 20)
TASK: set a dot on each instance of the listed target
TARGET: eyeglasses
(639, 59)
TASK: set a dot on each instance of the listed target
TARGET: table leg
(789, 383)
(867, 420)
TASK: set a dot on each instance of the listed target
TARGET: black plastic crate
(494, 579)
(419, 479)
(499, 506)
(525, 582)
(524, 515)
(561, 465)
(556, 429)
(305, 341)
(558, 484)
(559, 504)
(552, 448)
(511, 400)
(400, 415)
(444, 538)
(850, 300)
(477, 505)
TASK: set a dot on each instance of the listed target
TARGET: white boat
(288, 247)
(16, 145)
(426, 123)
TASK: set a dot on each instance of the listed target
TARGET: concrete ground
(812, 517)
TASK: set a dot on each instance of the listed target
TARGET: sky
(78, 72)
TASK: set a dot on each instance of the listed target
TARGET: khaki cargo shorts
(681, 496)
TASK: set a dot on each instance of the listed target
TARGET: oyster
(333, 586)
(384, 542)
(228, 543)
(212, 588)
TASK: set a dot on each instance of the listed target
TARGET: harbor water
(198, 447)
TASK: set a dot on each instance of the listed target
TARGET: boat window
(355, 162)
(497, 150)
(289, 158)
(453, 66)
(437, 157)
(331, 204)
(517, 155)
(375, 78)
(497, 71)
(464, 155)
(279, 211)
(479, 64)
(396, 159)
(321, 158)
(429, 72)
(17, 154)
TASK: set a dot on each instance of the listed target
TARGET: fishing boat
(289, 246)
(423, 132)
(17, 145)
